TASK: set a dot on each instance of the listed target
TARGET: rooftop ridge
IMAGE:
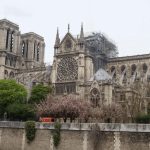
(9, 22)
(32, 33)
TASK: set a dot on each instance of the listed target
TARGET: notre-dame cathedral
(86, 65)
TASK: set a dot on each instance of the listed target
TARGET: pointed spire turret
(81, 39)
(81, 32)
(57, 41)
(68, 28)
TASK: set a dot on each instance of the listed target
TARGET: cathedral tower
(9, 48)
(68, 70)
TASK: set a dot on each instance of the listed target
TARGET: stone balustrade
(114, 127)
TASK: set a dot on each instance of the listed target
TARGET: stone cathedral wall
(76, 137)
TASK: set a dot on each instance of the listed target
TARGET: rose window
(67, 69)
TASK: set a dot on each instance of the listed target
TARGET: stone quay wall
(77, 136)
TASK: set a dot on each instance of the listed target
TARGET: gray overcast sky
(126, 22)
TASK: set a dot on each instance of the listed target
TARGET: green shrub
(39, 92)
(56, 134)
(30, 130)
(11, 92)
(21, 112)
(143, 119)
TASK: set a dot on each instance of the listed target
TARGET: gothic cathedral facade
(87, 65)
(21, 55)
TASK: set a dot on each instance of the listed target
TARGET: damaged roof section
(97, 42)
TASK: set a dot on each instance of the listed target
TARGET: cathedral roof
(101, 75)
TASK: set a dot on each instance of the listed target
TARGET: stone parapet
(111, 127)
(127, 58)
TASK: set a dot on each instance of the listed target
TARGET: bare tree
(135, 103)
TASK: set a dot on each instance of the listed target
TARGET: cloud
(15, 11)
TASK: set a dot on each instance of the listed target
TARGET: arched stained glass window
(95, 97)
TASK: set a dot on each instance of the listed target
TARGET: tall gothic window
(95, 97)
(11, 61)
(124, 73)
(7, 38)
(34, 52)
(14, 62)
(144, 68)
(122, 68)
(125, 78)
(38, 52)
(133, 69)
(27, 49)
(113, 72)
(6, 60)
(12, 41)
(23, 49)
(112, 69)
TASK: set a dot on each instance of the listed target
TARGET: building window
(38, 52)
(144, 68)
(27, 49)
(95, 97)
(34, 52)
(125, 78)
(12, 41)
(133, 69)
(14, 62)
(11, 61)
(68, 88)
(123, 68)
(7, 38)
(6, 60)
(113, 72)
(112, 69)
(23, 49)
